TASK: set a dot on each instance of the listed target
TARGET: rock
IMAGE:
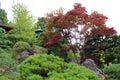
(89, 63)
(23, 56)
(36, 50)
(2, 70)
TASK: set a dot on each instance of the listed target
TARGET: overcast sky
(38, 8)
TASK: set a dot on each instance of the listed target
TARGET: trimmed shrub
(51, 67)
(113, 71)
(21, 46)
(18, 48)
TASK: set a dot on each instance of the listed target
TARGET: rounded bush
(51, 67)
(21, 46)
(113, 71)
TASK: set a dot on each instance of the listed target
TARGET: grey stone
(23, 56)
(89, 63)
(36, 50)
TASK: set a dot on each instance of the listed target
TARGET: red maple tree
(73, 29)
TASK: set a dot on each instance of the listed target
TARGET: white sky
(38, 8)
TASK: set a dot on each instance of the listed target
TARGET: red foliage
(77, 24)
(100, 46)
(56, 19)
(77, 14)
(111, 31)
(52, 39)
(97, 19)
(104, 31)
(55, 36)
(49, 44)
(77, 5)
(64, 49)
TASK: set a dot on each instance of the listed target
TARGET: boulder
(23, 56)
(89, 63)
(36, 50)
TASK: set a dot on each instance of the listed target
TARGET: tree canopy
(23, 22)
(3, 16)
(71, 30)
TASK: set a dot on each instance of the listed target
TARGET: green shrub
(51, 67)
(3, 78)
(113, 56)
(21, 46)
(18, 48)
(113, 71)
(7, 64)
(6, 59)
(4, 43)
(16, 38)
(34, 77)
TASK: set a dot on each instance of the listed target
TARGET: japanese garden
(63, 45)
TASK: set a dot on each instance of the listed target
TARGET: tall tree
(72, 29)
(23, 22)
(3, 16)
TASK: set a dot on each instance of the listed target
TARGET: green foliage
(4, 43)
(6, 59)
(40, 25)
(113, 50)
(51, 67)
(21, 46)
(113, 56)
(7, 63)
(73, 72)
(113, 71)
(41, 22)
(3, 16)
(104, 49)
(34, 77)
(17, 37)
(23, 22)
(3, 78)
(71, 57)
(71, 54)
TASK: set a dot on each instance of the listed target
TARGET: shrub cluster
(50, 67)
(15, 38)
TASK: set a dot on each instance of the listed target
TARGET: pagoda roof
(7, 28)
